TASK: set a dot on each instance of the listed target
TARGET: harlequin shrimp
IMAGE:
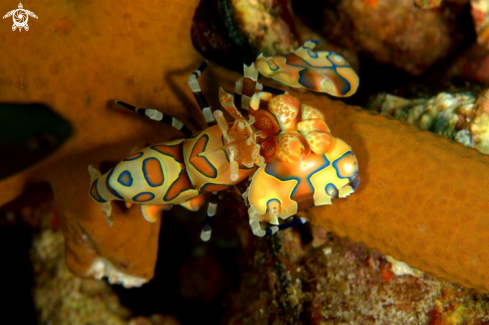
(279, 151)
(320, 71)
(306, 165)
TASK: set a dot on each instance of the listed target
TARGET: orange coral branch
(138, 52)
(422, 199)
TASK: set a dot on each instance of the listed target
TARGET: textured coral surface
(329, 280)
(421, 197)
(76, 58)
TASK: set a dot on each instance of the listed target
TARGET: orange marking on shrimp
(152, 172)
(201, 163)
(143, 197)
(134, 156)
(94, 192)
(172, 151)
(181, 184)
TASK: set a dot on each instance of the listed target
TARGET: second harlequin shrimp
(320, 71)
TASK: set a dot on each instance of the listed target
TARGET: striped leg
(247, 86)
(296, 222)
(206, 233)
(158, 116)
(199, 96)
